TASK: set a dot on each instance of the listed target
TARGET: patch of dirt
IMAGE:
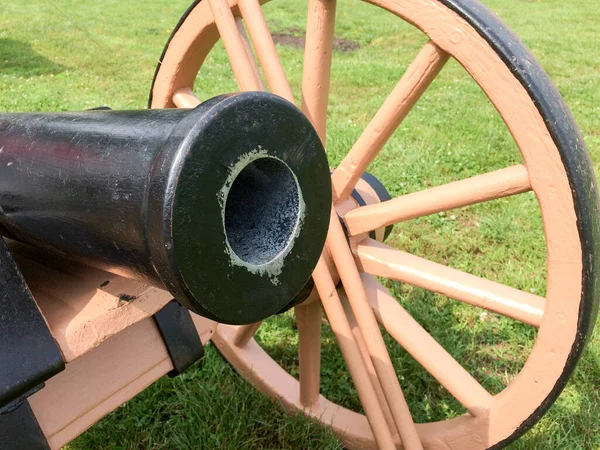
(295, 38)
(467, 221)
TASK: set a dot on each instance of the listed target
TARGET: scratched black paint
(137, 193)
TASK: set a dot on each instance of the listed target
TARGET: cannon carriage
(346, 287)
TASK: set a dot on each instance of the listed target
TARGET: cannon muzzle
(225, 205)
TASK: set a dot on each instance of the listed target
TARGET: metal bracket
(19, 430)
(180, 335)
(28, 352)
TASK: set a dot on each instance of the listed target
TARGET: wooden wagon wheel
(556, 167)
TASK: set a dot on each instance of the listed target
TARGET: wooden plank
(103, 379)
(82, 305)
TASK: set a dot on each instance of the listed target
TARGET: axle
(226, 205)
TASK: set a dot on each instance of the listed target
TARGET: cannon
(122, 308)
(203, 203)
(223, 208)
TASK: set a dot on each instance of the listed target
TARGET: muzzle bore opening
(262, 211)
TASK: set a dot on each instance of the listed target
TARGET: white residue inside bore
(262, 213)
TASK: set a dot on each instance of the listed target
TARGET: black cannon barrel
(225, 205)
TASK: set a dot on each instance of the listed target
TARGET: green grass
(72, 55)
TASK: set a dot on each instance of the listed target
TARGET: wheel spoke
(308, 320)
(490, 186)
(358, 371)
(425, 349)
(378, 259)
(244, 333)
(248, 48)
(362, 347)
(185, 98)
(318, 52)
(243, 66)
(396, 107)
(265, 48)
(344, 261)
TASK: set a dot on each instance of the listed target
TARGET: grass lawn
(73, 55)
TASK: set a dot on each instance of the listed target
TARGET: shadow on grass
(19, 58)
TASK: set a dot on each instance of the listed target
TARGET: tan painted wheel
(556, 167)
